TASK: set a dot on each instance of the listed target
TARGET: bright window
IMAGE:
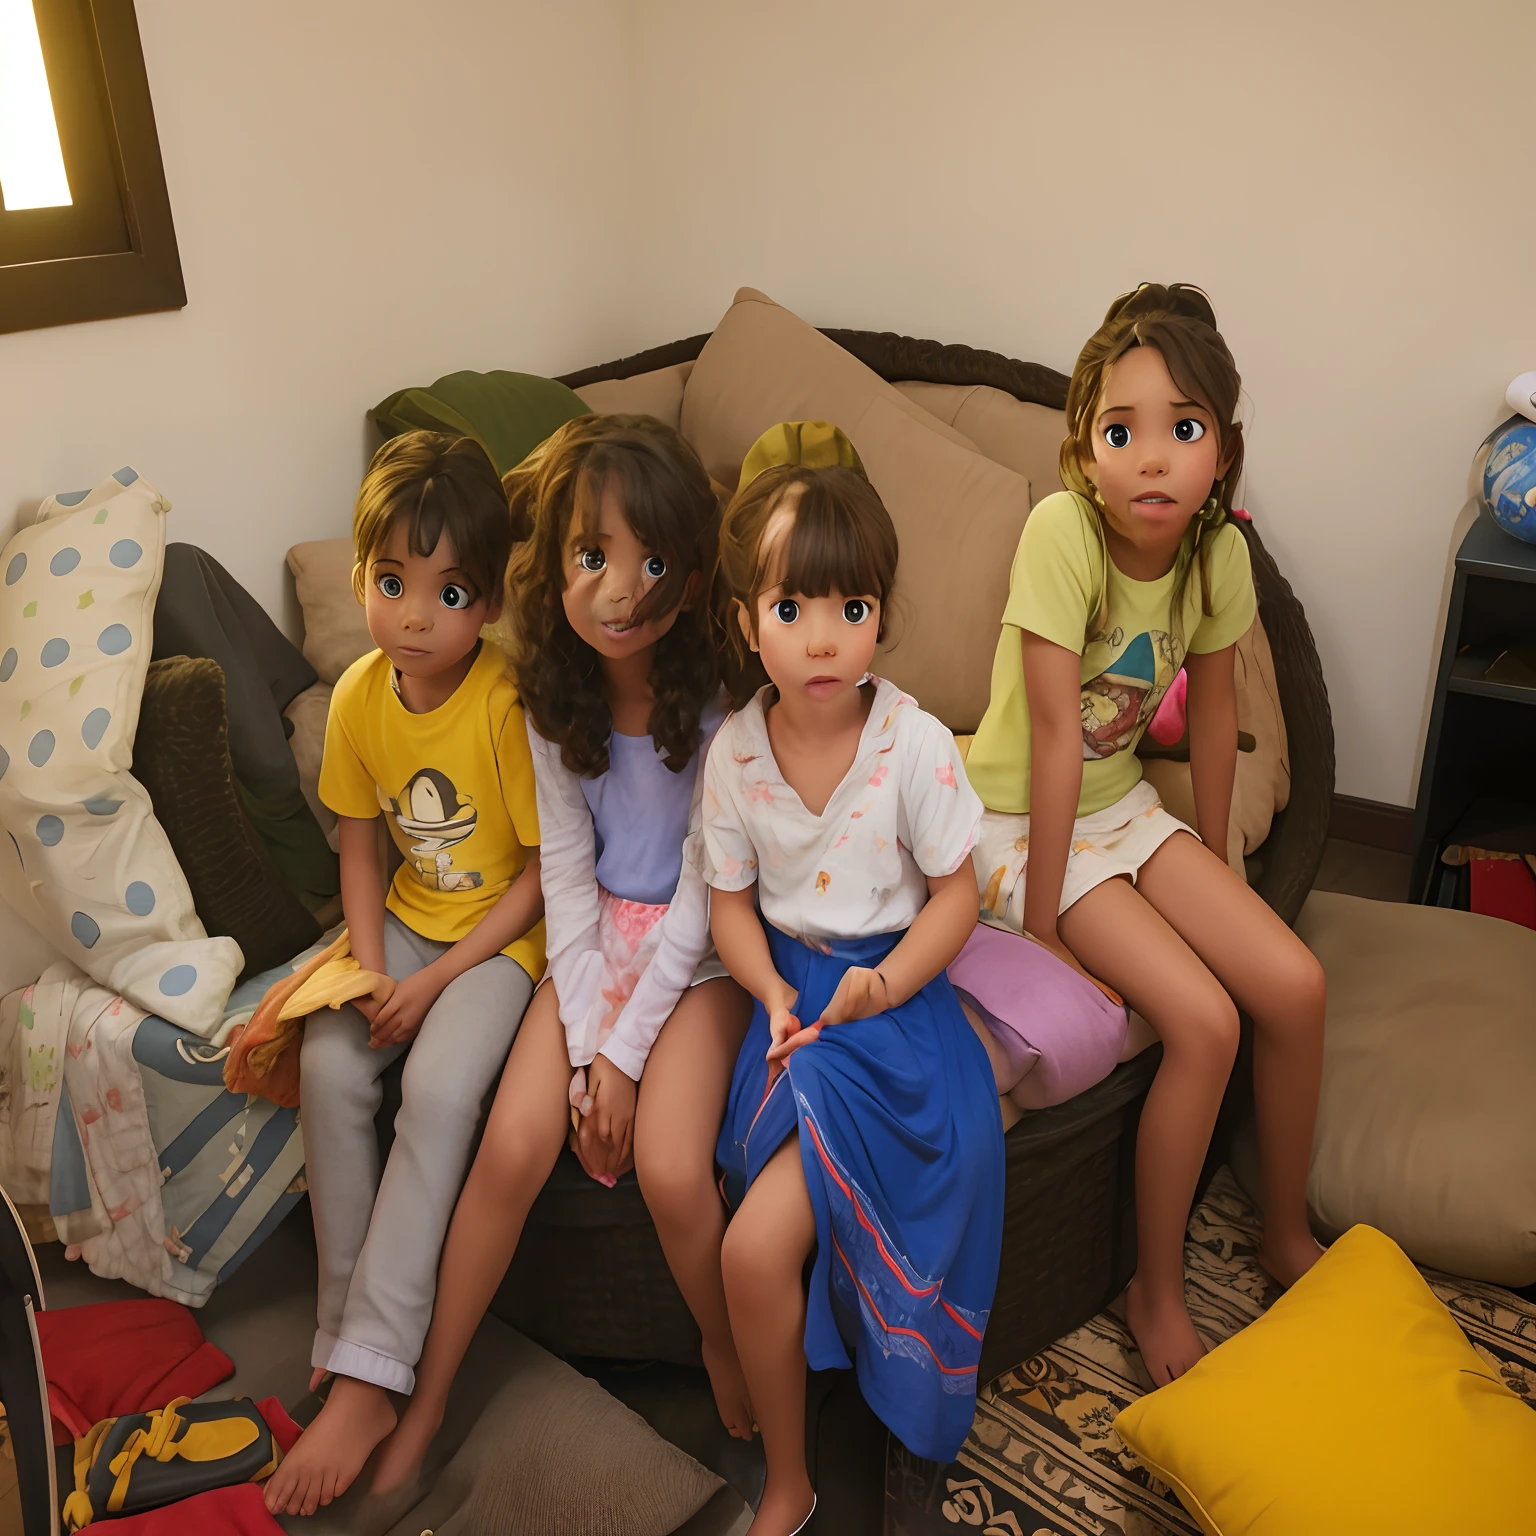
(31, 162)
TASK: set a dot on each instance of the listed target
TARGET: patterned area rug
(1043, 1458)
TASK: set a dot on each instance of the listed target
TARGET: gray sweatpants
(379, 1239)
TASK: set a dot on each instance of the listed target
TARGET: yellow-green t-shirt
(1127, 666)
(456, 788)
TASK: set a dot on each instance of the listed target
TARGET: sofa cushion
(1024, 436)
(335, 628)
(1429, 1077)
(658, 393)
(509, 414)
(764, 365)
(85, 861)
(957, 514)
(181, 756)
(307, 715)
(1262, 783)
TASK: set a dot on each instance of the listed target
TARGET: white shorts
(1115, 841)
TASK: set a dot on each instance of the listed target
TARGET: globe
(1509, 478)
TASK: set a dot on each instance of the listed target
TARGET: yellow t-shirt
(1126, 668)
(455, 786)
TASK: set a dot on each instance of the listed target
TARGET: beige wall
(366, 195)
(365, 200)
(1350, 181)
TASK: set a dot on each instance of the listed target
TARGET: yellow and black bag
(139, 1461)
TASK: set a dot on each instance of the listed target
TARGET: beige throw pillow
(1262, 783)
(1424, 1125)
(764, 365)
(549, 1454)
(1024, 436)
(658, 393)
(335, 630)
(958, 516)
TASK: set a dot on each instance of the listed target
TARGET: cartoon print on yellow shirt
(1126, 690)
(431, 810)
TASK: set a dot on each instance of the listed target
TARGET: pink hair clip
(1246, 516)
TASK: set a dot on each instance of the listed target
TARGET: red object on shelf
(1504, 888)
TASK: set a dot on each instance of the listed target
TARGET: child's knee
(674, 1186)
(1207, 1033)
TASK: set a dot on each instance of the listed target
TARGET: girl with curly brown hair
(618, 672)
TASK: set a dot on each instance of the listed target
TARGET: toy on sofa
(863, 1120)
(1133, 573)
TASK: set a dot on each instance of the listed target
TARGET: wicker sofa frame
(589, 1278)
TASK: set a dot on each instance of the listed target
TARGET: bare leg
(765, 1250)
(1121, 939)
(1279, 984)
(523, 1137)
(677, 1122)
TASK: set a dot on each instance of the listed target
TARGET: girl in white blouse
(863, 1123)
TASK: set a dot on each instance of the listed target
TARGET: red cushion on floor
(117, 1357)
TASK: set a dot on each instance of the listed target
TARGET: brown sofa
(961, 443)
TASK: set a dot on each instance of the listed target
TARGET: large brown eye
(593, 560)
(1188, 430)
(856, 610)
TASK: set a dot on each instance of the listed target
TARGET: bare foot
(730, 1388)
(1164, 1334)
(785, 1507)
(1286, 1259)
(402, 1454)
(331, 1452)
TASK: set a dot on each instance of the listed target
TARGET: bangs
(840, 540)
(662, 509)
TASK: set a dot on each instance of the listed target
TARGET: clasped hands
(861, 993)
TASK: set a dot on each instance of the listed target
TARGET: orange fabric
(263, 1056)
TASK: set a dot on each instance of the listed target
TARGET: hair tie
(812, 444)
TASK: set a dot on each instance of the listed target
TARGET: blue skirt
(901, 1139)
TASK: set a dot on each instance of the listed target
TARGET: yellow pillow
(1355, 1404)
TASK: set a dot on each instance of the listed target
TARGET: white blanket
(66, 1021)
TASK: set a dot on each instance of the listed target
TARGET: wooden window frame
(147, 277)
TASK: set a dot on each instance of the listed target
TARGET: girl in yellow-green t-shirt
(1132, 573)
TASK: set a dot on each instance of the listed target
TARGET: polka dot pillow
(84, 860)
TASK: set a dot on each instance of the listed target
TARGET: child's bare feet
(331, 1452)
(401, 1455)
(785, 1508)
(1164, 1333)
(730, 1388)
(1286, 1258)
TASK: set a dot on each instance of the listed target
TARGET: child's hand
(788, 1034)
(606, 1140)
(1060, 950)
(859, 994)
(397, 1021)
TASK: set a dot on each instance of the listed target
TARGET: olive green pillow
(509, 414)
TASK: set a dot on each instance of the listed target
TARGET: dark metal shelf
(1467, 677)
(1488, 551)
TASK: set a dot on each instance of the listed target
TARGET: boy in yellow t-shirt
(428, 731)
